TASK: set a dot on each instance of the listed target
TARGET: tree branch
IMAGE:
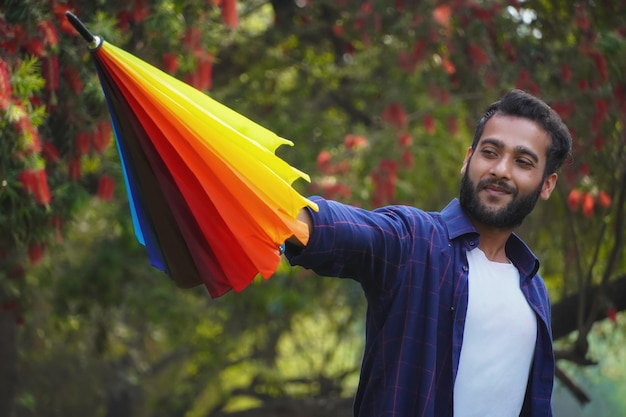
(572, 386)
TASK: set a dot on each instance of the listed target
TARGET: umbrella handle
(94, 41)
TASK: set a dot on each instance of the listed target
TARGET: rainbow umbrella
(209, 198)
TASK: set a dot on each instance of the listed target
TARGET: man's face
(503, 177)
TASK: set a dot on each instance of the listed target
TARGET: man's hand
(305, 217)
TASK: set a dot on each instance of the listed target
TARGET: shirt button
(472, 243)
(465, 268)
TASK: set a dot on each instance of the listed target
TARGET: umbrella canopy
(209, 198)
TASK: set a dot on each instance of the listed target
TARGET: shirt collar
(458, 224)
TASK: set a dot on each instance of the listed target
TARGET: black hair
(521, 104)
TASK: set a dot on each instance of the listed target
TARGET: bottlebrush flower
(48, 33)
(429, 124)
(603, 199)
(323, 161)
(35, 252)
(611, 314)
(50, 72)
(41, 191)
(478, 56)
(29, 135)
(6, 91)
(395, 115)
(354, 142)
(35, 47)
(101, 136)
(82, 143)
(170, 63)
(204, 70)
(229, 13)
(50, 152)
(452, 125)
(74, 168)
(587, 204)
(106, 186)
(73, 79)
(573, 199)
(405, 140)
(35, 181)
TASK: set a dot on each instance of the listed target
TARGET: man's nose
(501, 168)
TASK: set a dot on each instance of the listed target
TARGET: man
(458, 320)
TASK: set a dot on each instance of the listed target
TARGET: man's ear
(466, 160)
(548, 186)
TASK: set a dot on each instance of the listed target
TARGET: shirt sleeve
(372, 247)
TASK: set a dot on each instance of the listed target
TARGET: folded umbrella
(209, 198)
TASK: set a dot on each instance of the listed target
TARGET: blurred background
(380, 99)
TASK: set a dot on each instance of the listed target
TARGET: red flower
(452, 124)
(35, 181)
(73, 79)
(204, 70)
(598, 143)
(140, 11)
(170, 63)
(429, 124)
(509, 51)
(478, 55)
(192, 39)
(573, 199)
(50, 70)
(588, 204)
(611, 314)
(101, 136)
(56, 222)
(48, 32)
(407, 158)
(35, 47)
(74, 168)
(106, 186)
(229, 13)
(50, 152)
(442, 14)
(41, 190)
(581, 19)
(323, 160)
(35, 252)
(6, 90)
(603, 199)
(27, 178)
(566, 73)
(405, 140)
(395, 115)
(82, 143)
(29, 135)
(354, 142)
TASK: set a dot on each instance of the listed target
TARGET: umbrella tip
(93, 41)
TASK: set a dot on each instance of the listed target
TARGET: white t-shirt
(498, 342)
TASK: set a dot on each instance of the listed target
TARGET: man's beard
(508, 217)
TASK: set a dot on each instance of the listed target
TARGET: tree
(384, 95)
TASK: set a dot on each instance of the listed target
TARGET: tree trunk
(8, 362)
(565, 312)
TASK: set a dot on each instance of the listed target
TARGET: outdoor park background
(380, 98)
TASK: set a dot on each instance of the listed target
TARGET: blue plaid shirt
(413, 268)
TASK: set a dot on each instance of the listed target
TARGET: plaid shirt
(413, 268)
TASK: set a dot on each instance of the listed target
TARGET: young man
(458, 320)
